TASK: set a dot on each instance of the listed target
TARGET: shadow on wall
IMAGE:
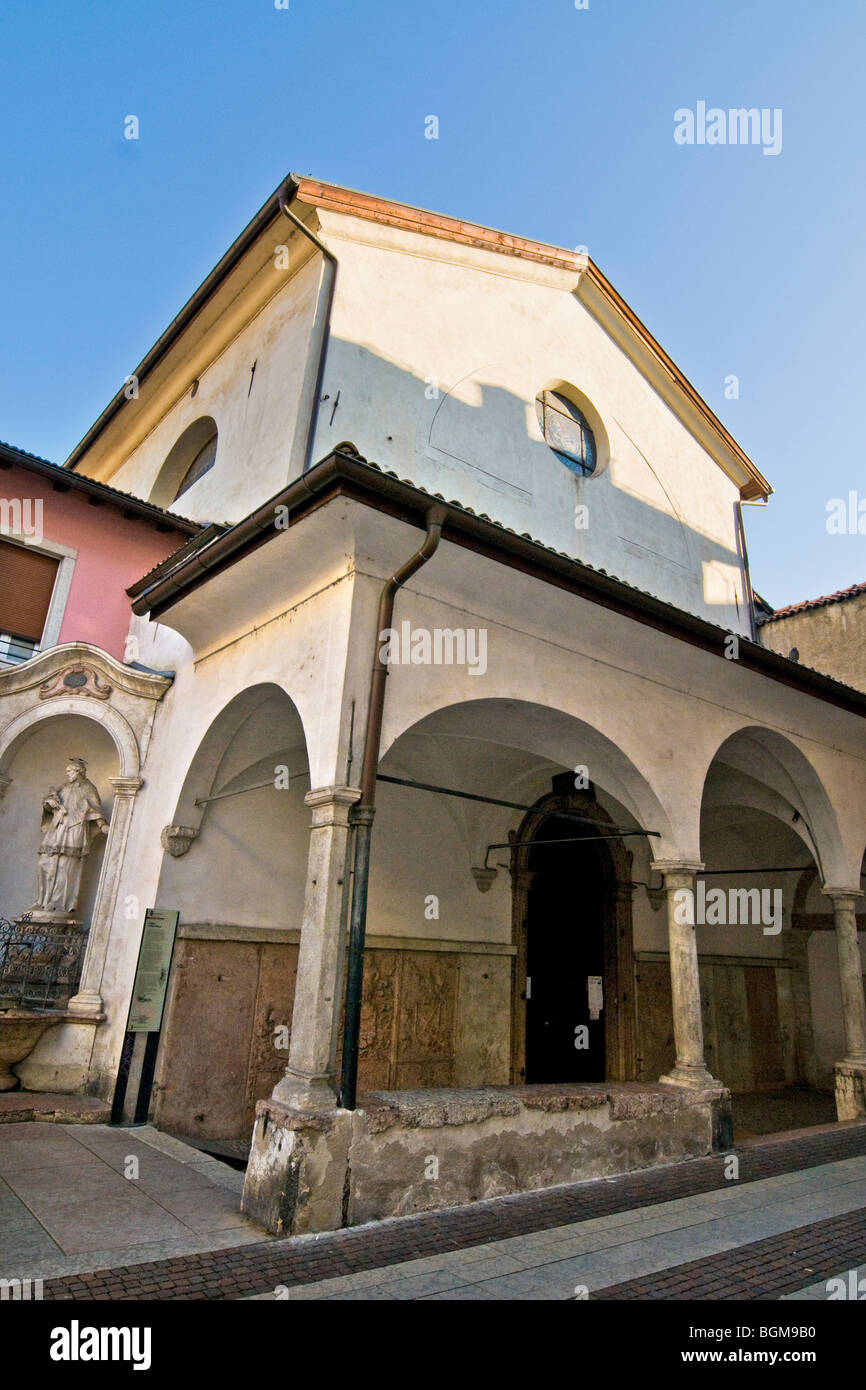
(480, 444)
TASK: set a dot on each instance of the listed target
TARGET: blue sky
(554, 122)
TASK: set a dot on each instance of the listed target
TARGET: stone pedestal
(296, 1174)
(60, 1059)
(403, 1152)
(36, 917)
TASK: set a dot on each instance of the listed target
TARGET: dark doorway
(565, 957)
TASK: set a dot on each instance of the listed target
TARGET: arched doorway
(573, 1003)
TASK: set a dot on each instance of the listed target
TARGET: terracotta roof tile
(839, 597)
(25, 459)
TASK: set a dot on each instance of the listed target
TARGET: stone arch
(23, 724)
(203, 778)
(235, 868)
(198, 437)
(549, 739)
(775, 775)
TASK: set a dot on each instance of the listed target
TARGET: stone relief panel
(75, 680)
(429, 1019)
(427, 1015)
(272, 1024)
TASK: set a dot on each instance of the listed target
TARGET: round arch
(776, 776)
(23, 724)
(616, 867)
(538, 740)
(208, 772)
(196, 445)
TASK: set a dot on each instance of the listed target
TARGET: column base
(851, 1088)
(695, 1078)
(86, 1005)
(298, 1091)
(297, 1175)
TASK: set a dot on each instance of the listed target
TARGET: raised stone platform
(17, 1106)
(412, 1151)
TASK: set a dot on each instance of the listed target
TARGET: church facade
(504, 851)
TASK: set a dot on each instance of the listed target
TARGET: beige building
(828, 634)
(616, 838)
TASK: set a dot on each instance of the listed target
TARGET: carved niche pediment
(79, 668)
(75, 679)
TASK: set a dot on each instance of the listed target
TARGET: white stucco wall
(256, 416)
(438, 352)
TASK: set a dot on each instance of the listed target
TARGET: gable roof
(594, 288)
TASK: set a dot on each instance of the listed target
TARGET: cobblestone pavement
(804, 1190)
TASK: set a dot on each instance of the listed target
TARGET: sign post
(146, 1008)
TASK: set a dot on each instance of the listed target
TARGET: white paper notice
(595, 995)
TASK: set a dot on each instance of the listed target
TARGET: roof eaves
(345, 462)
(266, 214)
(11, 455)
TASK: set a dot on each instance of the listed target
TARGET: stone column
(689, 1068)
(308, 1083)
(851, 1071)
(88, 1000)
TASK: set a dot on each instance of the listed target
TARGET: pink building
(69, 548)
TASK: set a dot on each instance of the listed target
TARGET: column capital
(324, 796)
(126, 786)
(837, 894)
(331, 805)
(671, 868)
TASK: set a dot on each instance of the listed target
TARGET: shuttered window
(26, 583)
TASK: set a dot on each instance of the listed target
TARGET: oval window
(566, 432)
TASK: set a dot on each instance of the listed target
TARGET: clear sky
(554, 122)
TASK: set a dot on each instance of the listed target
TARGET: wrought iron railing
(40, 964)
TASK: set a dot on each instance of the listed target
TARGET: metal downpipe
(365, 810)
(332, 265)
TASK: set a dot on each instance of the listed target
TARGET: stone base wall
(404, 1152)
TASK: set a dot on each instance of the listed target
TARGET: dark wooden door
(564, 950)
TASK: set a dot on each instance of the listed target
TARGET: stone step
(46, 1106)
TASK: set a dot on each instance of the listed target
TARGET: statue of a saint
(71, 814)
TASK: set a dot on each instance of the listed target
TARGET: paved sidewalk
(79, 1197)
(706, 1246)
(814, 1177)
